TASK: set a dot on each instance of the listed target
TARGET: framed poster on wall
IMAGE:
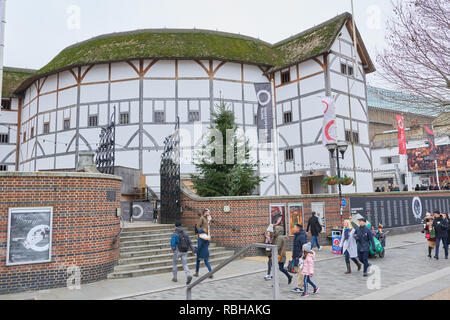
(295, 214)
(29, 235)
(278, 215)
(319, 208)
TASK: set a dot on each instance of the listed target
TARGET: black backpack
(183, 245)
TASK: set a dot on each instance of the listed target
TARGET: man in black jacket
(440, 226)
(364, 238)
(316, 228)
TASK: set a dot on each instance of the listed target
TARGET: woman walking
(308, 270)
(202, 251)
(430, 235)
(348, 245)
(268, 239)
(280, 241)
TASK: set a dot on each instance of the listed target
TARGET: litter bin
(336, 235)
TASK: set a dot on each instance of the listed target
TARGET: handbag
(291, 267)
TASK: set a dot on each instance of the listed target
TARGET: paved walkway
(405, 261)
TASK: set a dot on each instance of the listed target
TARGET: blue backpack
(174, 241)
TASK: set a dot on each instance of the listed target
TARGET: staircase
(145, 250)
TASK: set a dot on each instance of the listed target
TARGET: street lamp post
(335, 149)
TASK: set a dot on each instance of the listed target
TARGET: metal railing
(275, 280)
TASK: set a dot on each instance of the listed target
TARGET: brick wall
(84, 226)
(249, 216)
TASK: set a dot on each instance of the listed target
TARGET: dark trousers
(347, 258)
(306, 280)
(282, 269)
(269, 266)
(363, 256)
(444, 244)
(197, 265)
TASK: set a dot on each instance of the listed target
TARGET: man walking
(364, 237)
(440, 226)
(316, 228)
(280, 241)
(180, 244)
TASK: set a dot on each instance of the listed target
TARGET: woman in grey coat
(348, 245)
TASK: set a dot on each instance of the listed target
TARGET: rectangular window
(287, 117)
(6, 104)
(3, 167)
(194, 116)
(66, 124)
(285, 76)
(46, 127)
(255, 119)
(289, 154)
(124, 118)
(24, 136)
(93, 121)
(4, 138)
(32, 132)
(350, 70)
(355, 136)
(343, 68)
(159, 116)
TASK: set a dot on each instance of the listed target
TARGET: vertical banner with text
(265, 113)
(401, 134)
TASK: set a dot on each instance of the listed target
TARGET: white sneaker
(320, 248)
(268, 277)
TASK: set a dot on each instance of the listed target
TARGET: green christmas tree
(224, 164)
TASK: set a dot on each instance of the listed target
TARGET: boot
(359, 265)
(349, 270)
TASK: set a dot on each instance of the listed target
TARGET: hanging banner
(401, 134)
(329, 134)
(430, 142)
(265, 113)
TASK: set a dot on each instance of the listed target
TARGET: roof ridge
(342, 15)
(17, 69)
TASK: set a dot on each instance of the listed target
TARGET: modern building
(151, 77)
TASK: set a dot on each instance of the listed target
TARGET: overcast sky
(37, 30)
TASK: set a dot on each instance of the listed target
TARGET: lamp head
(331, 147)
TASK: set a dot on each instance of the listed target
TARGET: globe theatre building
(151, 77)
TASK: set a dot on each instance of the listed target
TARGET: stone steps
(145, 250)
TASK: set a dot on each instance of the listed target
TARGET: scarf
(346, 233)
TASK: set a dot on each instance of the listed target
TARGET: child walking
(308, 270)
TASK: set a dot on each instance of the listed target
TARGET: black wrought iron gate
(105, 153)
(170, 178)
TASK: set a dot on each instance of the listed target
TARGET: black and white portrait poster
(29, 235)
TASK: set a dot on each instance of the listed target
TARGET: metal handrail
(275, 281)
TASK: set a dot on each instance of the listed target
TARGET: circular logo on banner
(327, 130)
(417, 207)
(140, 209)
(35, 236)
(265, 97)
(336, 242)
(400, 123)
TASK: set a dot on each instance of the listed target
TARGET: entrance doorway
(312, 185)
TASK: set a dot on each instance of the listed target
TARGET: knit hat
(307, 247)
(270, 228)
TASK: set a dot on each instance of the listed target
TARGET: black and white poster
(397, 211)
(29, 235)
(265, 112)
(142, 211)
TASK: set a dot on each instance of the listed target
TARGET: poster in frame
(278, 215)
(295, 214)
(319, 208)
(29, 235)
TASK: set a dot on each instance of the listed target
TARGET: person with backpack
(300, 239)
(316, 228)
(180, 244)
(202, 251)
(280, 241)
(308, 270)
